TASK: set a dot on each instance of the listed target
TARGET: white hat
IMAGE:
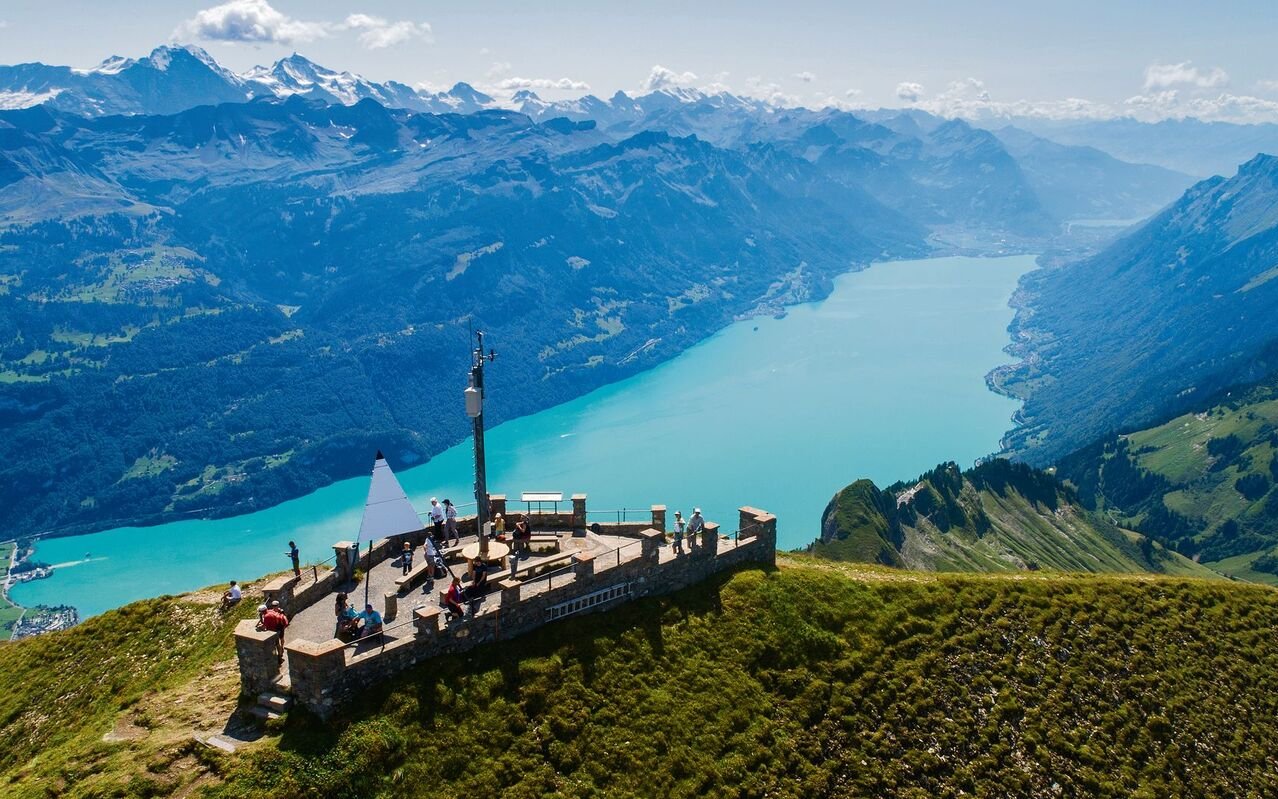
(696, 510)
(275, 603)
(261, 608)
(433, 500)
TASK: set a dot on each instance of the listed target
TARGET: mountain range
(211, 282)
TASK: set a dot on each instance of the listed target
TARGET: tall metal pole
(475, 408)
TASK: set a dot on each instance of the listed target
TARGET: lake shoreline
(877, 359)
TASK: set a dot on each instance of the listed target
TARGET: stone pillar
(281, 590)
(509, 592)
(316, 673)
(583, 565)
(256, 650)
(659, 517)
(392, 606)
(345, 552)
(578, 511)
(768, 538)
(652, 541)
(426, 621)
(496, 505)
(710, 539)
(750, 524)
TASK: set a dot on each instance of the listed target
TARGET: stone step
(283, 685)
(218, 742)
(274, 701)
(265, 714)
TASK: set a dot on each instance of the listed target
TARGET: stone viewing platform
(575, 567)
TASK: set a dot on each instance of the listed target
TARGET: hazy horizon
(1090, 60)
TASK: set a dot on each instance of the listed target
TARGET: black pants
(438, 533)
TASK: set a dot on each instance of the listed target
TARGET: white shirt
(235, 592)
(436, 513)
(452, 511)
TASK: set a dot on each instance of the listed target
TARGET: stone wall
(325, 675)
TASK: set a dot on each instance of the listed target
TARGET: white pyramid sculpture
(387, 511)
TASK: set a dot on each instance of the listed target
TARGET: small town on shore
(16, 621)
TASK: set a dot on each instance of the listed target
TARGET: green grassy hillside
(1201, 482)
(998, 516)
(814, 679)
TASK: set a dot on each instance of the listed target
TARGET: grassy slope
(66, 691)
(996, 517)
(1068, 539)
(1200, 487)
(817, 679)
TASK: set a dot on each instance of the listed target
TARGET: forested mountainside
(1176, 310)
(815, 679)
(1202, 482)
(236, 304)
(997, 516)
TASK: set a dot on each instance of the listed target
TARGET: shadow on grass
(581, 640)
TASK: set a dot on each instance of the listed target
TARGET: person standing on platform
(678, 532)
(437, 521)
(275, 621)
(407, 557)
(450, 522)
(295, 556)
(695, 525)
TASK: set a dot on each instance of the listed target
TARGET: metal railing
(315, 566)
(621, 515)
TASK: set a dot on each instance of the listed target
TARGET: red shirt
(275, 620)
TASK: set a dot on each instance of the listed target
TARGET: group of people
(690, 528)
(443, 520)
(351, 625)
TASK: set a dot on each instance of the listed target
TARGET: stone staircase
(273, 704)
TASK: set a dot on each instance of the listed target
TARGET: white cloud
(1163, 76)
(768, 92)
(852, 93)
(1267, 85)
(249, 21)
(257, 21)
(498, 69)
(805, 76)
(661, 78)
(563, 84)
(376, 32)
(909, 91)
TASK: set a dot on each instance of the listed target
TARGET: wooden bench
(530, 569)
(541, 542)
(414, 576)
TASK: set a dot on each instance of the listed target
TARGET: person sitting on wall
(231, 596)
(275, 621)
(499, 527)
(371, 622)
(454, 597)
(347, 623)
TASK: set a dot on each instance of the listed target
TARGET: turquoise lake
(883, 379)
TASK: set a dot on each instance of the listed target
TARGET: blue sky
(1081, 58)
